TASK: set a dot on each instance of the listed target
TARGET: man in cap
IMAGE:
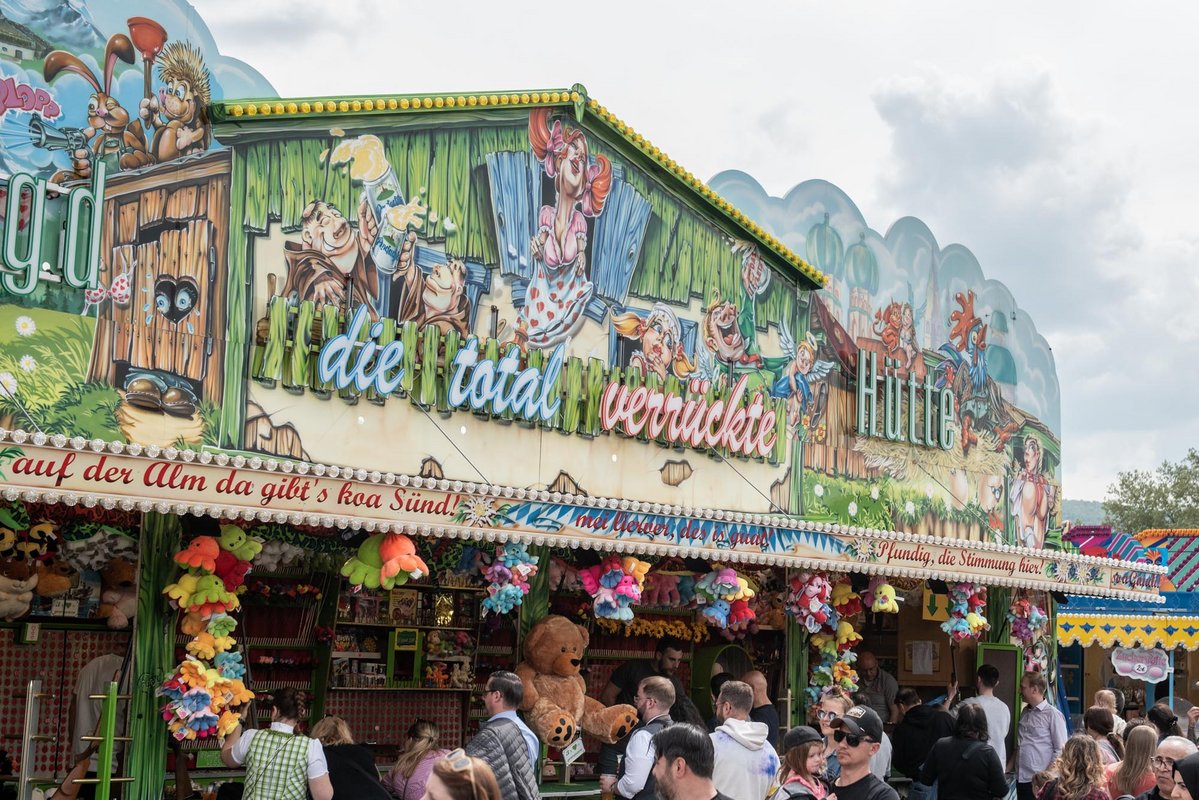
(857, 735)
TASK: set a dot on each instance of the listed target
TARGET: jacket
(502, 746)
(964, 769)
(746, 764)
(647, 730)
(915, 736)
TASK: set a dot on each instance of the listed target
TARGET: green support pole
(108, 730)
(797, 672)
(153, 657)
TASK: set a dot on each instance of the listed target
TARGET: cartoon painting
(657, 346)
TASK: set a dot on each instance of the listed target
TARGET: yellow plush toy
(181, 591)
(192, 624)
(637, 568)
(884, 599)
(847, 637)
(202, 646)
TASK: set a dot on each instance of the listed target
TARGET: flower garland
(967, 602)
(207, 685)
(687, 631)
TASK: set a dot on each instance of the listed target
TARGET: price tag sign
(573, 751)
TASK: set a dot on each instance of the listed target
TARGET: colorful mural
(922, 308)
(445, 285)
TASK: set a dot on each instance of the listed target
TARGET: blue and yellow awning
(1128, 630)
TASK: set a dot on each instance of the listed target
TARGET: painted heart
(175, 298)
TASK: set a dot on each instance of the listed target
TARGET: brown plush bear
(118, 592)
(556, 704)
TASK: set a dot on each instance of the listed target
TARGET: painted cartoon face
(1032, 455)
(572, 169)
(330, 233)
(177, 100)
(657, 344)
(724, 337)
(907, 315)
(106, 114)
(803, 361)
(444, 286)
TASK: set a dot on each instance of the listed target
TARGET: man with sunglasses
(856, 736)
(501, 743)
(1171, 749)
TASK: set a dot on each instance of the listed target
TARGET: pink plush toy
(627, 587)
(661, 590)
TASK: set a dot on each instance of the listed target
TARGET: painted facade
(503, 289)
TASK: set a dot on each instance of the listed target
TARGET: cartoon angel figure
(1032, 496)
(559, 288)
(660, 336)
(796, 382)
(895, 327)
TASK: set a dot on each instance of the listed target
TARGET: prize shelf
(352, 624)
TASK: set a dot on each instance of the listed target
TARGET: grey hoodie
(746, 764)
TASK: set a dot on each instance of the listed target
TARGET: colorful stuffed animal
(661, 589)
(211, 596)
(235, 541)
(400, 561)
(365, 568)
(200, 553)
(845, 600)
(18, 579)
(717, 613)
(55, 577)
(180, 592)
(118, 592)
(847, 637)
(556, 703)
(740, 614)
(635, 567)
(231, 570)
(885, 601)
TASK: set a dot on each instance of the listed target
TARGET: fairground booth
(1148, 652)
(369, 395)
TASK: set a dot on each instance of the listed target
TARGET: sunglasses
(827, 716)
(459, 761)
(851, 739)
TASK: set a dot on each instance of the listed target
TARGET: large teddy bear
(556, 704)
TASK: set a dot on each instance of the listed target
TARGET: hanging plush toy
(879, 597)
(845, 600)
(615, 585)
(725, 596)
(967, 601)
(808, 601)
(384, 560)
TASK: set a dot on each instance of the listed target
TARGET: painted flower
(853, 508)
(479, 511)
(8, 384)
(928, 491)
(909, 508)
(874, 493)
(26, 326)
(28, 363)
(818, 490)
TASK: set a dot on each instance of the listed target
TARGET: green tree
(1167, 497)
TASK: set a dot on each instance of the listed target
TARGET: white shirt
(638, 761)
(317, 766)
(880, 762)
(999, 722)
(1042, 735)
(531, 741)
(94, 679)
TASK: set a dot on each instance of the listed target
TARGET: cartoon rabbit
(110, 129)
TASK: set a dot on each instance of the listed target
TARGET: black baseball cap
(800, 734)
(861, 721)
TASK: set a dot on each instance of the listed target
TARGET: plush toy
(235, 541)
(210, 596)
(847, 637)
(740, 614)
(230, 664)
(180, 592)
(628, 588)
(661, 589)
(743, 591)
(556, 704)
(635, 567)
(845, 600)
(192, 623)
(231, 570)
(502, 599)
(365, 568)
(221, 624)
(884, 600)
(807, 601)
(276, 555)
(118, 592)
(400, 561)
(18, 579)
(978, 624)
(200, 553)
(461, 677)
(202, 646)
(686, 589)
(605, 573)
(55, 577)
(717, 613)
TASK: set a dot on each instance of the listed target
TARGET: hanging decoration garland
(615, 585)
(681, 629)
(207, 685)
(967, 602)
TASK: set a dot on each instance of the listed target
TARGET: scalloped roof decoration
(575, 99)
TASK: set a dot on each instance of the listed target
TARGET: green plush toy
(221, 625)
(366, 568)
(235, 541)
(211, 596)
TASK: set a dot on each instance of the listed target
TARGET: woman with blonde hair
(461, 777)
(351, 766)
(1080, 772)
(409, 775)
(833, 703)
(1134, 775)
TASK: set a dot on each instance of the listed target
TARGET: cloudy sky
(1057, 141)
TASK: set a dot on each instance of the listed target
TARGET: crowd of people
(935, 749)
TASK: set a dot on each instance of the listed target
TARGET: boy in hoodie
(746, 764)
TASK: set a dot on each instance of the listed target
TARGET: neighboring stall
(1146, 652)
(376, 384)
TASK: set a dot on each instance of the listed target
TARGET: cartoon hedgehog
(179, 112)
